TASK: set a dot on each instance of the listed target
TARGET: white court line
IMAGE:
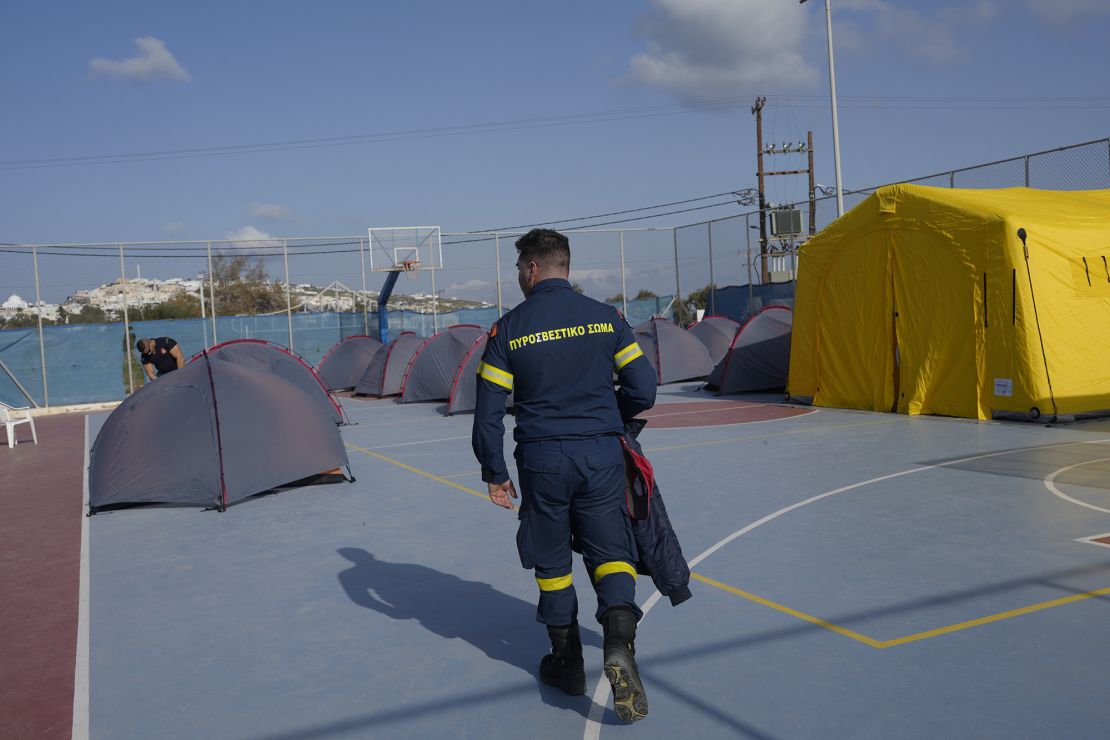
(736, 423)
(1051, 486)
(80, 729)
(1091, 540)
(592, 730)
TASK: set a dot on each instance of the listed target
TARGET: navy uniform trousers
(576, 486)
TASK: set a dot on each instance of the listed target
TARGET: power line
(602, 215)
(813, 101)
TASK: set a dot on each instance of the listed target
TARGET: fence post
(624, 288)
(288, 299)
(951, 178)
(677, 287)
(42, 341)
(712, 286)
(497, 256)
(748, 234)
(1026, 170)
(435, 301)
(203, 316)
(212, 294)
(126, 323)
(365, 302)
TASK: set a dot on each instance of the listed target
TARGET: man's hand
(499, 493)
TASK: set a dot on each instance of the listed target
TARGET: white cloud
(926, 35)
(1064, 12)
(249, 236)
(700, 50)
(174, 227)
(153, 62)
(271, 211)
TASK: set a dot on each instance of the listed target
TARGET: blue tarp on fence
(85, 362)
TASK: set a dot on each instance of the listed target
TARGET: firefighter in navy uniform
(556, 353)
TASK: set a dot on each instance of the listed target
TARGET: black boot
(629, 699)
(564, 667)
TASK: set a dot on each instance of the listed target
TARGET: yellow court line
(996, 617)
(418, 471)
(880, 644)
(787, 610)
(870, 642)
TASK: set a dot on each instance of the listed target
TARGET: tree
(618, 298)
(89, 315)
(181, 306)
(683, 316)
(700, 298)
(242, 288)
(645, 293)
(577, 288)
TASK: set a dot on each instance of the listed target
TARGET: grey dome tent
(346, 361)
(211, 434)
(386, 371)
(464, 388)
(716, 333)
(433, 367)
(261, 355)
(759, 357)
(675, 353)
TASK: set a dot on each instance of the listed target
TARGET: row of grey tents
(245, 417)
(731, 357)
(442, 367)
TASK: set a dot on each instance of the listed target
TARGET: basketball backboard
(405, 247)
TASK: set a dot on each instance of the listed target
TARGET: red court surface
(716, 413)
(40, 558)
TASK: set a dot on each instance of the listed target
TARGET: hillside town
(107, 302)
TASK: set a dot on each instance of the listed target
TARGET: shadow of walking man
(501, 626)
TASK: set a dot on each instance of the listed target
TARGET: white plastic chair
(13, 416)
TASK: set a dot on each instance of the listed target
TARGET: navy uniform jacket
(556, 353)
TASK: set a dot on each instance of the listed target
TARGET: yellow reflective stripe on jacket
(615, 566)
(495, 375)
(627, 355)
(554, 584)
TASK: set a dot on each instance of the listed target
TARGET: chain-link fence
(73, 312)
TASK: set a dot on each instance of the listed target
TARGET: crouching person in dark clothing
(556, 353)
(159, 356)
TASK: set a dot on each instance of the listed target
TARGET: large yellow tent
(928, 301)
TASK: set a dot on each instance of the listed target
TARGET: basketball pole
(383, 299)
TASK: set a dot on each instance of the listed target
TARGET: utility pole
(757, 111)
(787, 148)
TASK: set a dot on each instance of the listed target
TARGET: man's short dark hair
(546, 247)
(139, 345)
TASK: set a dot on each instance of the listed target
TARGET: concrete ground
(856, 575)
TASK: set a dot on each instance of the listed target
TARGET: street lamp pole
(835, 124)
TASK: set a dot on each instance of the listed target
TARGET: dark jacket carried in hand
(660, 554)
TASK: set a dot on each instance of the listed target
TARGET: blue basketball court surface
(856, 575)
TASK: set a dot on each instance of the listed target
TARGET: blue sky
(630, 104)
